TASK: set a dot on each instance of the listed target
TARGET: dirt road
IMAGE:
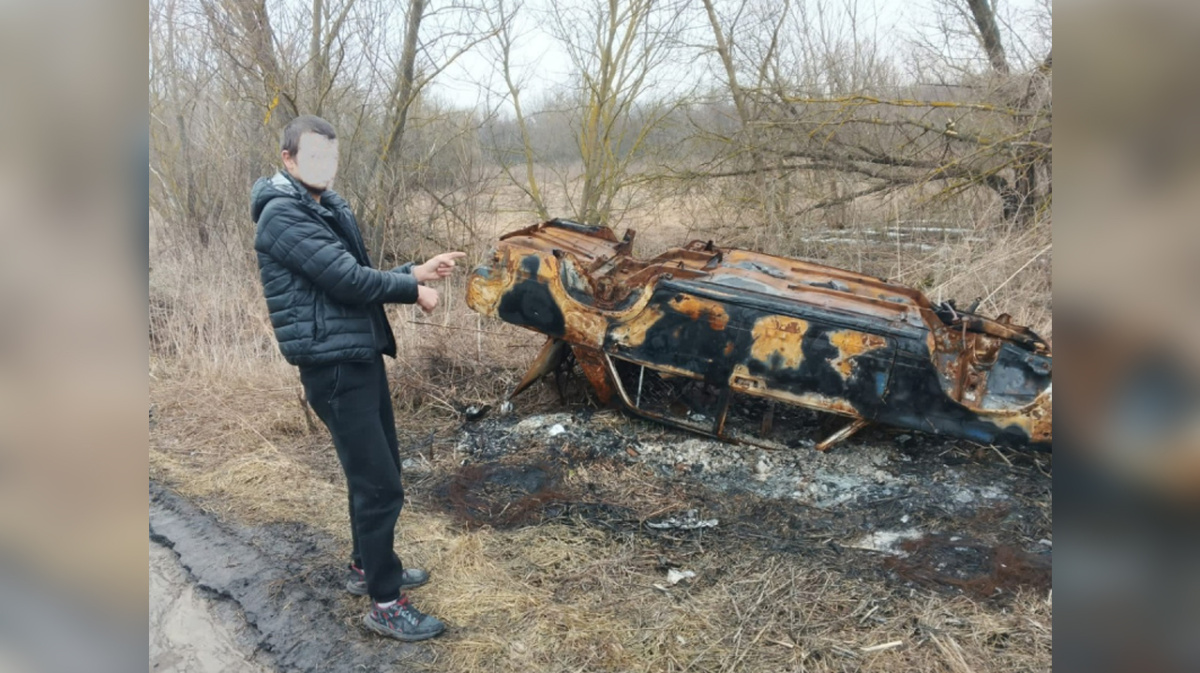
(188, 630)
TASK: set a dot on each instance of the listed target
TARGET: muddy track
(289, 603)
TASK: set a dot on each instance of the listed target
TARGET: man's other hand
(437, 267)
(427, 298)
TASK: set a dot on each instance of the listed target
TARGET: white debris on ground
(852, 472)
(418, 465)
(676, 576)
(821, 479)
(689, 521)
(532, 424)
(762, 469)
(887, 541)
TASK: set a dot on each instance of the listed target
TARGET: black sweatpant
(353, 401)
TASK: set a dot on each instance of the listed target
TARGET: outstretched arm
(437, 267)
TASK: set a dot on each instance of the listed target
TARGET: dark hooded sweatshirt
(325, 299)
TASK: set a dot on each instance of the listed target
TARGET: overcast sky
(541, 63)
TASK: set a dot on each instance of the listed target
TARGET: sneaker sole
(414, 585)
(384, 631)
(361, 589)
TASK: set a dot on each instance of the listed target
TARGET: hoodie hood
(283, 185)
(280, 185)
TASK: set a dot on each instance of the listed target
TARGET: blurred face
(315, 161)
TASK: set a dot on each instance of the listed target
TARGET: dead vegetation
(554, 570)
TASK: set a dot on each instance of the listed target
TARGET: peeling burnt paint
(709, 326)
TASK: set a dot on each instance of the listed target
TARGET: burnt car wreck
(736, 344)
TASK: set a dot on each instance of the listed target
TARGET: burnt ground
(908, 511)
(909, 508)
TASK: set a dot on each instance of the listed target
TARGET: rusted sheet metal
(704, 337)
(547, 359)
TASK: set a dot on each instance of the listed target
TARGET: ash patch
(573, 436)
(890, 500)
(887, 541)
(856, 473)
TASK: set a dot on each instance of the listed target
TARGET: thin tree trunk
(408, 62)
(384, 204)
(739, 100)
(317, 56)
(533, 190)
(989, 34)
(772, 204)
(190, 208)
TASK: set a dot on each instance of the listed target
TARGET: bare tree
(763, 64)
(620, 51)
(227, 74)
(502, 24)
(458, 35)
(242, 30)
(328, 22)
(882, 138)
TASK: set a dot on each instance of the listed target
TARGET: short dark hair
(301, 125)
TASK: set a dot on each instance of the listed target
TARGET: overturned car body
(735, 344)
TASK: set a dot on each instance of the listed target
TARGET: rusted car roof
(715, 340)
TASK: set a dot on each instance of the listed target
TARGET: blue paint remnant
(978, 434)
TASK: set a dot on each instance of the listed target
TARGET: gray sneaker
(402, 621)
(356, 579)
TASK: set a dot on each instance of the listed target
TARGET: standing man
(326, 305)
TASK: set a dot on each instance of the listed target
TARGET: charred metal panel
(714, 323)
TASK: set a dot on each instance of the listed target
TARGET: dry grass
(229, 431)
(566, 597)
(561, 597)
